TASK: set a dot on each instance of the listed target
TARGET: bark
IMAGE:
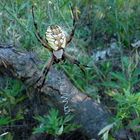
(59, 90)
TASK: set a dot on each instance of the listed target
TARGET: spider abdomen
(55, 37)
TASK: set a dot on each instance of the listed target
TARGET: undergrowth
(115, 84)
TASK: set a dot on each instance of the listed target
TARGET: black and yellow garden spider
(55, 41)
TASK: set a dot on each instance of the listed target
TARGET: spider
(55, 41)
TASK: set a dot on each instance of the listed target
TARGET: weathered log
(58, 89)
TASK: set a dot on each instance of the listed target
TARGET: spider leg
(37, 34)
(74, 61)
(74, 26)
(41, 80)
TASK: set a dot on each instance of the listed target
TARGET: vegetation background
(113, 81)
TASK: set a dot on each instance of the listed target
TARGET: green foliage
(10, 97)
(108, 19)
(127, 110)
(127, 78)
(55, 124)
(127, 114)
(4, 120)
(103, 20)
(105, 132)
(120, 86)
(16, 20)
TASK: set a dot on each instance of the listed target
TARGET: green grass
(99, 22)
(55, 124)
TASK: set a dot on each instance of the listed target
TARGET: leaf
(38, 130)
(135, 125)
(55, 124)
(110, 84)
(119, 76)
(60, 131)
(68, 118)
(4, 120)
(71, 127)
(106, 128)
(105, 135)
